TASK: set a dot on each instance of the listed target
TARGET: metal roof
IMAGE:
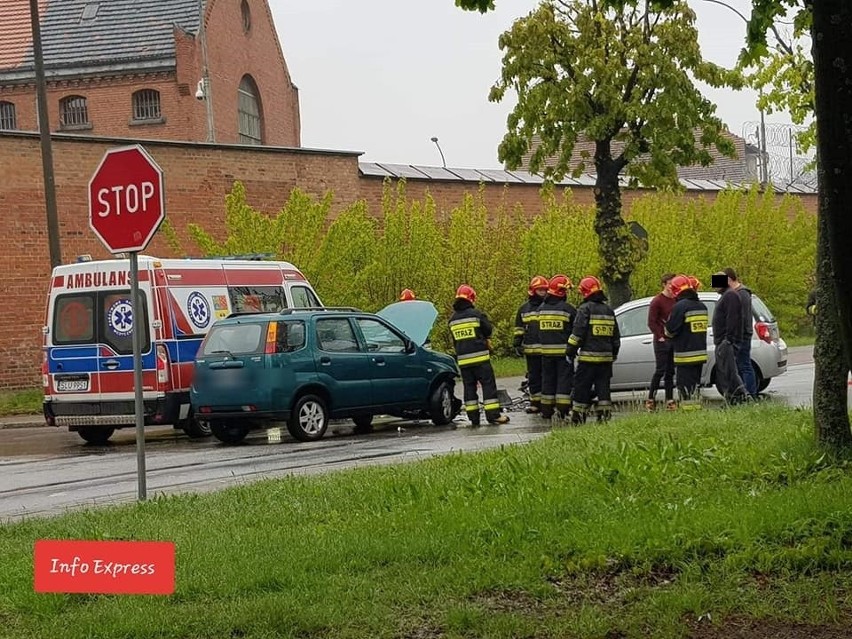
(85, 36)
(499, 176)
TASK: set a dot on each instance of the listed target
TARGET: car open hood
(414, 318)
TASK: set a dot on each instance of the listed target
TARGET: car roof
(704, 296)
(289, 313)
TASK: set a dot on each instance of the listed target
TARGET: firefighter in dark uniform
(471, 333)
(556, 321)
(687, 329)
(594, 342)
(527, 342)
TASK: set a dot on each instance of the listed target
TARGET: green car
(306, 366)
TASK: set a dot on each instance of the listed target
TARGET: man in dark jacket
(595, 342)
(727, 335)
(527, 342)
(687, 330)
(556, 321)
(744, 366)
(658, 313)
(471, 334)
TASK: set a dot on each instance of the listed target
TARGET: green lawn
(640, 528)
(25, 402)
(509, 366)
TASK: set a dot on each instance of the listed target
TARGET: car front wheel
(229, 433)
(309, 419)
(441, 405)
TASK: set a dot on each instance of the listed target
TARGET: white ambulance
(87, 368)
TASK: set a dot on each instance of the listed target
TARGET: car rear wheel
(95, 434)
(441, 405)
(363, 424)
(309, 419)
(229, 433)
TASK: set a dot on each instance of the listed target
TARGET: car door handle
(228, 363)
(325, 361)
(647, 341)
(379, 360)
(111, 364)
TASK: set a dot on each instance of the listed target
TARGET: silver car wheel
(311, 417)
(446, 402)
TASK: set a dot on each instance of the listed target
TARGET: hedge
(357, 259)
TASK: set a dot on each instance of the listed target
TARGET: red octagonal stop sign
(126, 202)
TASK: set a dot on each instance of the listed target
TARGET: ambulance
(87, 367)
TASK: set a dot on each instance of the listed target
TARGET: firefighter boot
(578, 417)
(497, 421)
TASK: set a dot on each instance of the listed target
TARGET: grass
(635, 529)
(24, 402)
(509, 366)
(800, 340)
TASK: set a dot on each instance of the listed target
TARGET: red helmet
(539, 281)
(559, 285)
(680, 283)
(588, 285)
(694, 282)
(466, 292)
(407, 295)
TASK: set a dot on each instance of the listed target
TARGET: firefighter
(407, 295)
(594, 342)
(687, 329)
(526, 341)
(555, 321)
(471, 334)
(694, 283)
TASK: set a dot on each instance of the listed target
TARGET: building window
(146, 105)
(8, 121)
(245, 11)
(73, 112)
(250, 113)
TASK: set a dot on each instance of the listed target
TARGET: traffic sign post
(126, 207)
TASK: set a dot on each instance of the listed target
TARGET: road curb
(21, 421)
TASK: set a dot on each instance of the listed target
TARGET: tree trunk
(831, 419)
(616, 245)
(832, 52)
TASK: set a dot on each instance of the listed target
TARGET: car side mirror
(372, 347)
(410, 347)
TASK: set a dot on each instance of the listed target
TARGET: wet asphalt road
(47, 470)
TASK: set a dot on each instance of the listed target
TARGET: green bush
(356, 259)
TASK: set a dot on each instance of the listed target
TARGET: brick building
(136, 68)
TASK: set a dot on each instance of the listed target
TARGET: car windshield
(233, 339)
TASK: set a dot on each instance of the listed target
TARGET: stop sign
(126, 203)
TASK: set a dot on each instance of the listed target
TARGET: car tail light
(271, 337)
(205, 409)
(763, 332)
(249, 408)
(162, 364)
(45, 378)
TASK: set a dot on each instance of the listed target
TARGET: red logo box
(104, 567)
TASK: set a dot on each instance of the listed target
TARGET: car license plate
(72, 385)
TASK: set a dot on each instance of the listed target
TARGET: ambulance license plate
(72, 384)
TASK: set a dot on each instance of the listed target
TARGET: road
(47, 470)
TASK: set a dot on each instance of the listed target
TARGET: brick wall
(234, 53)
(198, 176)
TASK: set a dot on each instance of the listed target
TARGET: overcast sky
(384, 76)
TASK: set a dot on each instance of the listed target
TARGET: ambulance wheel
(95, 434)
(196, 429)
(228, 432)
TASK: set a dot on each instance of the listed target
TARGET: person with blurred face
(727, 335)
(744, 366)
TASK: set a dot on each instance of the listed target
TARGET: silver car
(635, 365)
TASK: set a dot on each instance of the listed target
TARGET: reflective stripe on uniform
(690, 357)
(491, 404)
(574, 340)
(548, 400)
(468, 359)
(595, 357)
(553, 349)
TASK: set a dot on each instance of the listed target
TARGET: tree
(476, 5)
(622, 78)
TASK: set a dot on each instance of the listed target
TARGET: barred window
(73, 111)
(8, 121)
(249, 111)
(146, 105)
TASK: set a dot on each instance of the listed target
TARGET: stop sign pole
(126, 207)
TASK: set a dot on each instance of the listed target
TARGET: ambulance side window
(257, 299)
(303, 297)
(74, 319)
(116, 327)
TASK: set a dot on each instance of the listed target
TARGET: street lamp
(443, 161)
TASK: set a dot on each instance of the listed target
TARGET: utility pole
(46, 147)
